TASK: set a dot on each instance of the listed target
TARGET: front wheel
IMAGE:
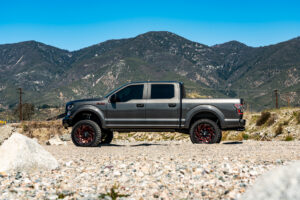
(205, 131)
(86, 133)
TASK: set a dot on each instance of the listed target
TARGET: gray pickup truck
(151, 106)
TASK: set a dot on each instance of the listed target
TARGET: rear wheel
(86, 133)
(205, 131)
(107, 137)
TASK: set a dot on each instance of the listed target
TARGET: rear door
(129, 110)
(162, 105)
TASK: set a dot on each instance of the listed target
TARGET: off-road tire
(107, 137)
(94, 127)
(215, 133)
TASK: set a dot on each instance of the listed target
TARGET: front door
(129, 109)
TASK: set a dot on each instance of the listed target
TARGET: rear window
(162, 91)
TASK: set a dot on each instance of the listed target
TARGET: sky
(75, 24)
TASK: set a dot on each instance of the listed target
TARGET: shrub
(279, 130)
(263, 118)
(113, 193)
(286, 122)
(272, 119)
(289, 138)
(245, 136)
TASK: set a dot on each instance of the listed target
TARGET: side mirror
(113, 98)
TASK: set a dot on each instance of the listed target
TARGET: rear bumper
(67, 122)
(235, 124)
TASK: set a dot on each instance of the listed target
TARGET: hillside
(53, 76)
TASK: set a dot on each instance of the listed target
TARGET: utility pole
(20, 104)
(276, 98)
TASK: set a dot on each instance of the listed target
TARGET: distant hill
(54, 76)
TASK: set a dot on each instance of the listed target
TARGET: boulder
(280, 183)
(22, 154)
(5, 132)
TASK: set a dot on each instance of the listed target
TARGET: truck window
(130, 92)
(162, 91)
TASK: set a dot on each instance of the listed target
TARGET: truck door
(129, 109)
(162, 105)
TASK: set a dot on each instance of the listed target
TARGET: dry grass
(42, 130)
(263, 118)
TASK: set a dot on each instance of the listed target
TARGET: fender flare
(99, 113)
(204, 108)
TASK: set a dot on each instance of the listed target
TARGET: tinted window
(162, 91)
(130, 92)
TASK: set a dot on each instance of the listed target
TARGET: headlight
(69, 107)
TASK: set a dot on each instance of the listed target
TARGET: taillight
(239, 108)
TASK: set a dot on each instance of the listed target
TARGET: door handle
(172, 104)
(139, 105)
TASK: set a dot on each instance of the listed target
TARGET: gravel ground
(154, 170)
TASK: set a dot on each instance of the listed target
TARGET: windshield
(111, 92)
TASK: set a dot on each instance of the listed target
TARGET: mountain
(52, 76)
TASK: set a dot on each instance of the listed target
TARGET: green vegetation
(113, 193)
(289, 138)
(245, 136)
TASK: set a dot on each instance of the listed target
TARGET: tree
(27, 111)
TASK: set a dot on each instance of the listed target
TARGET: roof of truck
(155, 82)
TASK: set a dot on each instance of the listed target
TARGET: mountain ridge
(227, 69)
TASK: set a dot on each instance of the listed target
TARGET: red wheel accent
(204, 133)
(85, 134)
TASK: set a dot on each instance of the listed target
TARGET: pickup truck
(151, 106)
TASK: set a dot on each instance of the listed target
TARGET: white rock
(20, 153)
(56, 141)
(280, 183)
(5, 132)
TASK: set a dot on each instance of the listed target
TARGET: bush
(263, 118)
(272, 119)
(279, 130)
(289, 138)
(245, 136)
(286, 122)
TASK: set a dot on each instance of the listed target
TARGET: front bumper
(67, 122)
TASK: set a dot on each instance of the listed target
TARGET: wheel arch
(205, 112)
(89, 112)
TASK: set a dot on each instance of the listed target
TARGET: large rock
(5, 132)
(20, 153)
(280, 183)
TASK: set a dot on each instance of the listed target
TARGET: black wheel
(107, 136)
(205, 131)
(219, 137)
(86, 133)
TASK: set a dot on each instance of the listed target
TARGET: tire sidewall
(96, 128)
(107, 137)
(213, 124)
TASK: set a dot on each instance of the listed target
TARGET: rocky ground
(151, 170)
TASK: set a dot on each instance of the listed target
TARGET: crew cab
(151, 106)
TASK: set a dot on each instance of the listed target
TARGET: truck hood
(85, 100)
